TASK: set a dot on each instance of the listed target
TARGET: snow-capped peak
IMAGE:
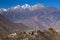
(17, 6)
(26, 6)
(23, 6)
(38, 6)
(33, 7)
(4, 9)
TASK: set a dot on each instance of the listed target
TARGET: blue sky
(9, 3)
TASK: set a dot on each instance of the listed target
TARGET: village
(49, 34)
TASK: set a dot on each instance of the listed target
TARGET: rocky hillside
(8, 26)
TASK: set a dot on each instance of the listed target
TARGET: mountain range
(27, 16)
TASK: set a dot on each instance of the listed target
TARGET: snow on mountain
(18, 6)
(26, 6)
(4, 9)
